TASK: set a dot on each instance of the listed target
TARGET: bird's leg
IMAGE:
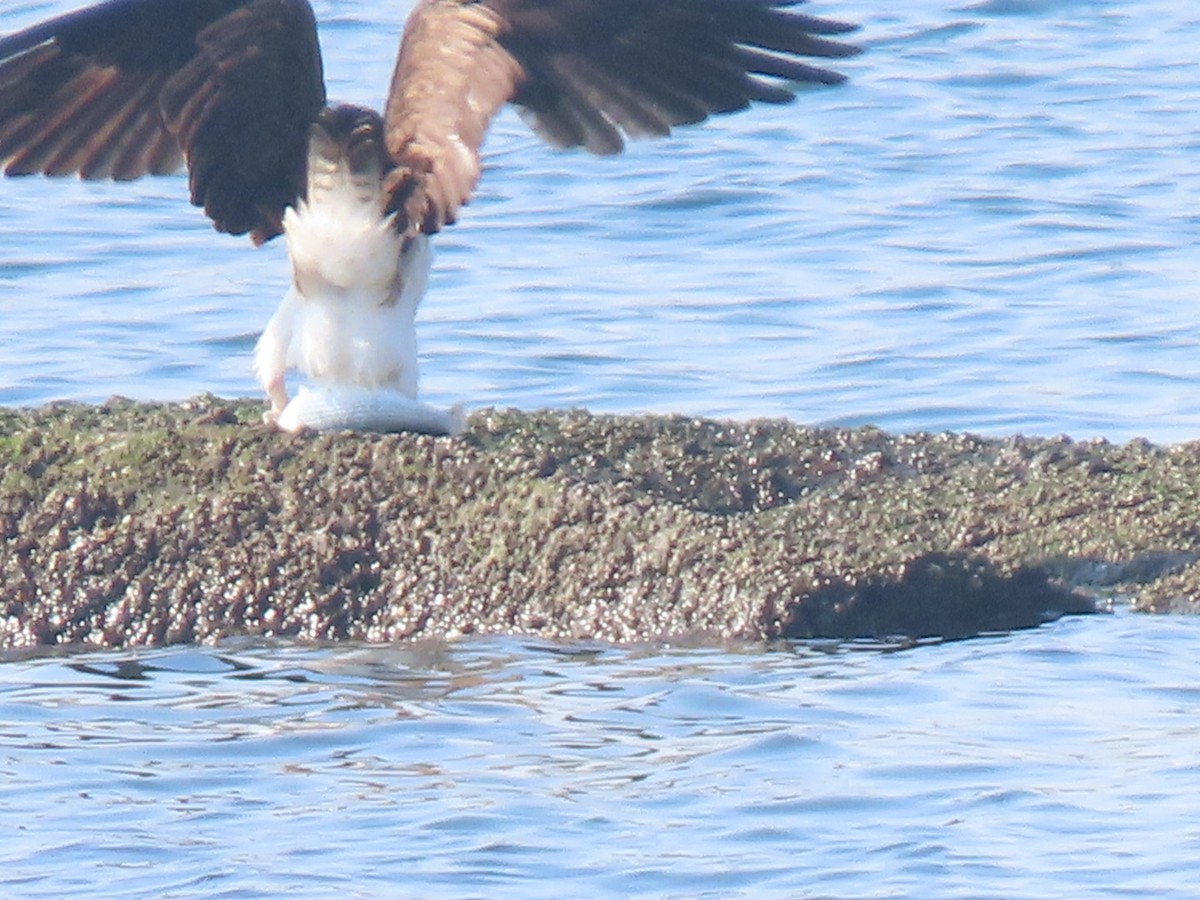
(270, 359)
(277, 394)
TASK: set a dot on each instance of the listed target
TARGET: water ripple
(1013, 179)
(998, 767)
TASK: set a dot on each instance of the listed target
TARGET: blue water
(991, 228)
(1058, 763)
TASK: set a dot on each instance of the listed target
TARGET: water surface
(1056, 763)
(991, 227)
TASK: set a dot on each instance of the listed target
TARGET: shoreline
(128, 524)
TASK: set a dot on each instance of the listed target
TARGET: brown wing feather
(134, 87)
(586, 73)
(258, 70)
(451, 77)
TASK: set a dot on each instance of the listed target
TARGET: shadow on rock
(935, 595)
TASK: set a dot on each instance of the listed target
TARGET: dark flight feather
(135, 87)
(586, 73)
(233, 88)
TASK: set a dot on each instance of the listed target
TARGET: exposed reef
(127, 524)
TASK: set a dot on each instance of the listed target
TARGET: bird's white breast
(348, 323)
(354, 297)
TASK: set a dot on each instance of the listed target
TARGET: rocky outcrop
(129, 524)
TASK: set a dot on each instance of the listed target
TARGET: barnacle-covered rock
(130, 523)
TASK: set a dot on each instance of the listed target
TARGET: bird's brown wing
(132, 87)
(452, 75)
(586, 73)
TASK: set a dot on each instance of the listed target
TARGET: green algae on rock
(128, 524)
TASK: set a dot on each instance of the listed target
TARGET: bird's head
(348, 140)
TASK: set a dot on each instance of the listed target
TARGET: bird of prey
(234, 90)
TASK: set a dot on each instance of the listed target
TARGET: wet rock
(131, 523)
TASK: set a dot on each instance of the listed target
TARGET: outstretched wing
(585, 73)
(132, 87)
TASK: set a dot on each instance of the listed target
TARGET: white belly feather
(348, 323)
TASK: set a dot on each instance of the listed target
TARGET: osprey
(234, 90)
